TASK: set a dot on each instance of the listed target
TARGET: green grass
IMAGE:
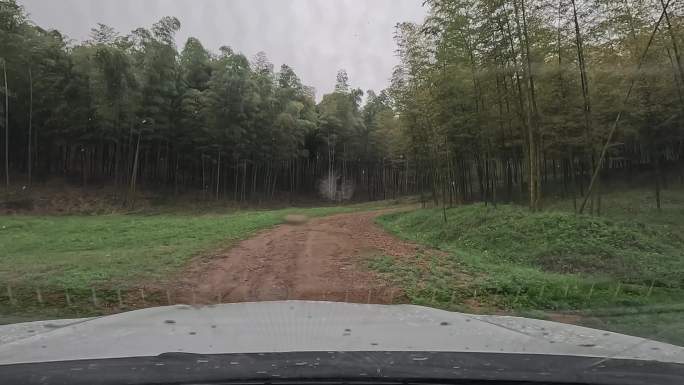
(505, 258)
(116, 254)
(637, 205)
(552, 242)
(119, 250)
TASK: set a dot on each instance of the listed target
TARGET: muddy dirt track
(319, 259)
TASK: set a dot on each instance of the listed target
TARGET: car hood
(306, 326)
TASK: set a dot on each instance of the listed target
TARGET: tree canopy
(492, 100)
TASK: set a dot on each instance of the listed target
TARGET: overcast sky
(315, 37)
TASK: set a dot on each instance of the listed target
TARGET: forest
(492, 100)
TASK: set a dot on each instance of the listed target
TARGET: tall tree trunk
(255, 170)
(532, 113)
(218, 174)
(244, 179)
(677, 78)
(449, 177)
(494, 185)
(679, 81)
(84, 166)
(522, 110)
(584, 81)
(7, 178)
(134, 173)
(673, 39)
(573, 182)
(204, 180)
(30, 126)
(657, 173)
(534, 126)
(235, 182)
(176, 175)
(117, 156)
(275, 181)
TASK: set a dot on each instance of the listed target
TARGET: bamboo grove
(134, 111)
(533, 97)
(493, 100)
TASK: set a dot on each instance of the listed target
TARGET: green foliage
(118, 248)
(193, 109)
(506, 256)
(553, 241)
(520, 80)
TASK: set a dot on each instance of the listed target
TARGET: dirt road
(320, 259)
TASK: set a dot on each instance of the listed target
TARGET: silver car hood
(306, 326)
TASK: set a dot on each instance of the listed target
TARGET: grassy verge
(623, 272)
(122, 250)
(99, 261)
(79, 266)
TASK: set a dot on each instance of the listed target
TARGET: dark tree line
(494, 100)
(134, 110)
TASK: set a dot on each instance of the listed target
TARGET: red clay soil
(320, 259)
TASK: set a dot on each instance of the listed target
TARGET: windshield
(493, 158)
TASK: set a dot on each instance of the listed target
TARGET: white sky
(315, 37)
